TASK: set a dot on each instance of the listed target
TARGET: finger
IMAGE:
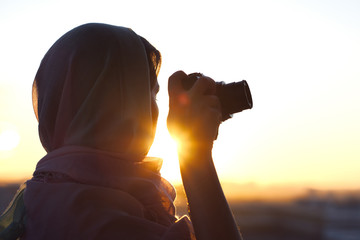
(214, 116)
(204, 85)
(218, 118)
(175, 83)
(213, 102)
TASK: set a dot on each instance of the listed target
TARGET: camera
(234, 97)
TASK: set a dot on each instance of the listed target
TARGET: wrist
(195, 160)
(195, 149)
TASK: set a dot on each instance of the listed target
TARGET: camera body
(234, 97)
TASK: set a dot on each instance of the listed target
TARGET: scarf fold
(92, 194)
(141, 180)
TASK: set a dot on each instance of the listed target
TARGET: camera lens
(234, 97)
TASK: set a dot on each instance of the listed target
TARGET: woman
(94, 96)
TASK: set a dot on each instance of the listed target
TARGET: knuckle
(178, 74)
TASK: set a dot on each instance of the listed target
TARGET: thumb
(175, 87)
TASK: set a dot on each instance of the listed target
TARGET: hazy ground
(307, 215)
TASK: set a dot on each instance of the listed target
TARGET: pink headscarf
(93, 89)
(92, 97)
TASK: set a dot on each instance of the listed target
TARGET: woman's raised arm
(194, 118)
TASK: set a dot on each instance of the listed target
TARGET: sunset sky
(300, 58)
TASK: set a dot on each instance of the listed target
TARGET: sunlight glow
(166, 148)
(9, 139)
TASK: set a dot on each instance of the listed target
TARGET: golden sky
(300, 58)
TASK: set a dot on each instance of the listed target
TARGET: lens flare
(165, 147)
(184, 99)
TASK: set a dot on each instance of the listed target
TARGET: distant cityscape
(317, 215)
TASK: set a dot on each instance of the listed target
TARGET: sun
(165, 147)
(9, 137)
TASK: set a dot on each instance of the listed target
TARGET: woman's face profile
(154, 106)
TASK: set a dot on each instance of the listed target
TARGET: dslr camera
(234, 97)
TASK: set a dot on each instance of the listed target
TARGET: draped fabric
(82, 193)
(93, 89)
(92, 98)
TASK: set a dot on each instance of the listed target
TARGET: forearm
(194, 118)
(209, 210)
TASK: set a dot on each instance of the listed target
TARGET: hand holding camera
(196, 101)
(195, 113)
(197, 105)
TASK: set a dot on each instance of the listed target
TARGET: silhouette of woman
(94, 97)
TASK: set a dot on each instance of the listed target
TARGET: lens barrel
(234, 97)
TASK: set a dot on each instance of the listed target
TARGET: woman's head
(94, 88)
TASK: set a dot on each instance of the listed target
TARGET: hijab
(93, 89)
(92, 98)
